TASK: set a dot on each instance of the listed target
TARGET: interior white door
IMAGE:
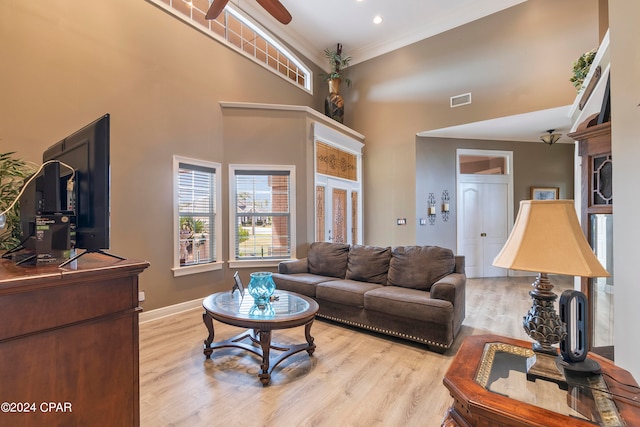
(496, 227)
(484, 226)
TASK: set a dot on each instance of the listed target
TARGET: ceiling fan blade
(215, 9)
(276, 9)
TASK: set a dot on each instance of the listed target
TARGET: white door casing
(352, 215)
(485, 215)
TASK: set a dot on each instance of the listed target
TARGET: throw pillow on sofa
(328, 259)
(368, 264)
(419, 267)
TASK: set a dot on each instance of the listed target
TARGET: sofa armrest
(293, 266)
(450, 288)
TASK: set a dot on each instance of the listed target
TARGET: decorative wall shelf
(595, 83)
(315, 115)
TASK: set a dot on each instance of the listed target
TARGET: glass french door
(337, 207)
(338, 187)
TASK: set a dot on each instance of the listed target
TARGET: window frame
(271, 262)
(183, 270)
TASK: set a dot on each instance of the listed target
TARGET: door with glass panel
(337, 207)
(338, 191)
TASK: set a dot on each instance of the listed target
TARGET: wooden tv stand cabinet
(69, 343)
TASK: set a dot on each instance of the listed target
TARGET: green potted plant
(334, 104)
(337, 62)
(12, 174)
(581, 68)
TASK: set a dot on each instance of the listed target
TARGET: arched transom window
(238, 31)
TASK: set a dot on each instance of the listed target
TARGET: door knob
(483, 234)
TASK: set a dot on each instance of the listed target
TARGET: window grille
(263, 214)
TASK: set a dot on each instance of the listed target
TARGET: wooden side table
(487, 380)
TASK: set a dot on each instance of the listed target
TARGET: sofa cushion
(409, 303)
(328, 259)
(418, 267)
(347, 292)
(301, 283)
(368, 264)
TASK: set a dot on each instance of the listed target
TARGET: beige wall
(625, 133)
(279, 138)
(66, 63)
(515, 61)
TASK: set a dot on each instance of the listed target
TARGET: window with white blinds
(197, 194)
(263, 214)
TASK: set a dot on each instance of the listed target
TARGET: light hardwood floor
(354, 378)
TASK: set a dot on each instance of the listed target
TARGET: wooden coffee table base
(258, 343)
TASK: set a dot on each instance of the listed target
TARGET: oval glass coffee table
(287, 310)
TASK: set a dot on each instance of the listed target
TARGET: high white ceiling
(321, 24)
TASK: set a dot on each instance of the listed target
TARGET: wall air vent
(459, 100)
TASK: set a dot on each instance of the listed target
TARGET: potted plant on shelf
(581, 68)
(334, 103)
(12, 175)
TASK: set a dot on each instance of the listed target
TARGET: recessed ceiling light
(377, 19)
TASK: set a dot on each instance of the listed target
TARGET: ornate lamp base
(544, 326)
(543, 366)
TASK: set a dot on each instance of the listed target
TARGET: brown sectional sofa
(413, 292)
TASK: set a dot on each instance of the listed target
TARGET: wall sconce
(445, 205)
(431, 208)
(550, 137)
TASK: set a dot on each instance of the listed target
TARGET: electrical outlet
(140, 296)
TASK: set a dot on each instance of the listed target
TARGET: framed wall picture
(545, 193)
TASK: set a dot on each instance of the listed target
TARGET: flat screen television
(87, 152)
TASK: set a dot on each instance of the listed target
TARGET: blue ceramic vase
(261, 287)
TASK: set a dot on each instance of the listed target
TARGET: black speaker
(575, 345)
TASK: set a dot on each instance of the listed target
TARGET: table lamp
(547, 238)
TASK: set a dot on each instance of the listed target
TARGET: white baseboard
(159, 313)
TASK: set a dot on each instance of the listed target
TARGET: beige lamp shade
(547, 238)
